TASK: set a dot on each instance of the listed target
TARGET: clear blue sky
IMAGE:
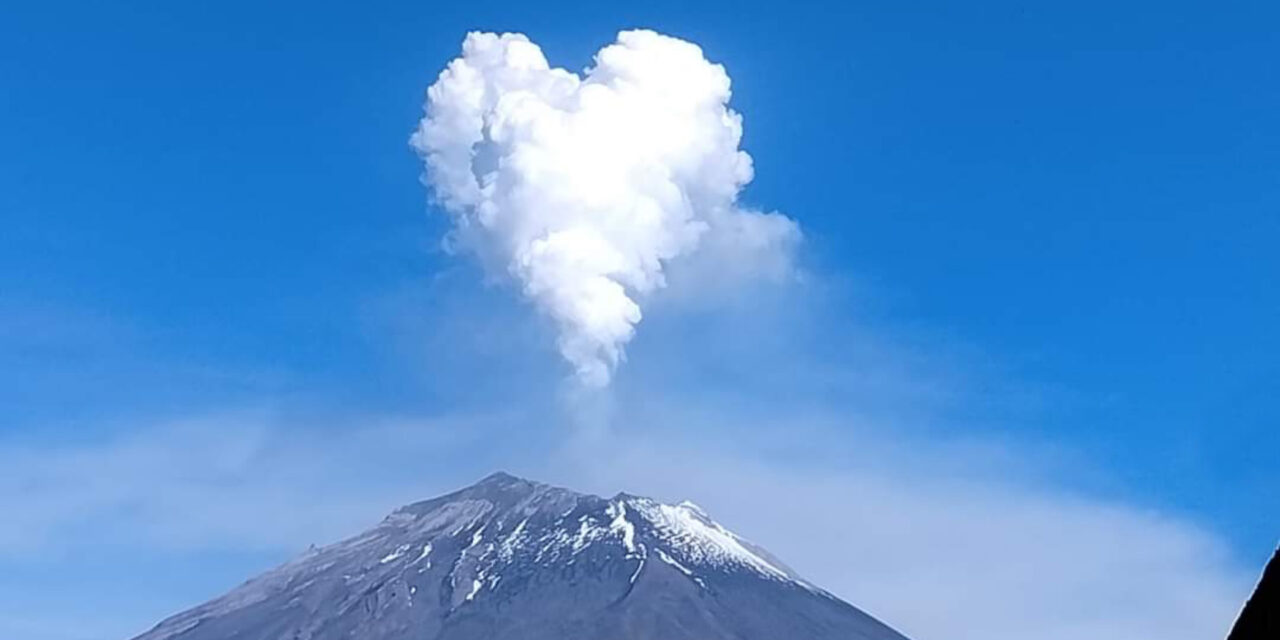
(207, 206)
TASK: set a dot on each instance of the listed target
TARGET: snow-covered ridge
(701, 541)
(522, 525)
(494, 535)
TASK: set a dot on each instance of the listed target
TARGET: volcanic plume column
(583, 190)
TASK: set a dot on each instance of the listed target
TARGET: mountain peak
(514, 559)
(502, 478)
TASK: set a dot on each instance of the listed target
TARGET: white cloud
(243, 481)
(585, 189)
(945, 542)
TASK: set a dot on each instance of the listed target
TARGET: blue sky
(1039, 249)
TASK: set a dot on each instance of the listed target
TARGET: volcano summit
(511, 559)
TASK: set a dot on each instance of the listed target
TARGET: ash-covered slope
(510, 559)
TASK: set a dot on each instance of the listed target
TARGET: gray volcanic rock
(510, 559)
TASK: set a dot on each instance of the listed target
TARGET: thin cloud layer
(926, 537)
(584, 189)
(957, 554)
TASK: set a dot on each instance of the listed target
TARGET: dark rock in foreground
(1260, 619)
(509, 559)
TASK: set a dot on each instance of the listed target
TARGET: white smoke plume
(585, 189)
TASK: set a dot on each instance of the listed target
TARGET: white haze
(933, 539)
(584, 189)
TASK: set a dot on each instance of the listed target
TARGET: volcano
(512, 559)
